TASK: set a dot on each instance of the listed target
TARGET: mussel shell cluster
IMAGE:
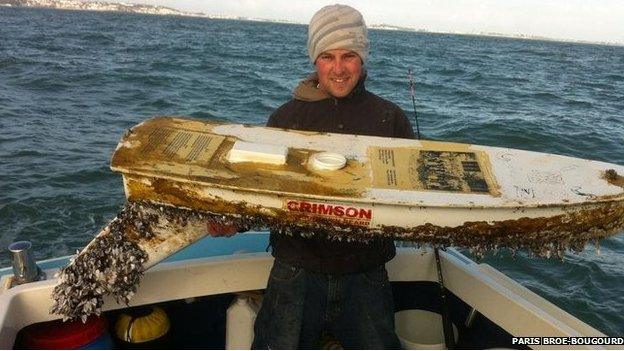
(113, 263)
(110, 265)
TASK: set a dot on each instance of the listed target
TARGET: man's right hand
(217, 229)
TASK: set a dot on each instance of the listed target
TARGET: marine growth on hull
(114, 261)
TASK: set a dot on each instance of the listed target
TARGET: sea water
(72, 82)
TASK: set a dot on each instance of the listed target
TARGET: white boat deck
(514, 308)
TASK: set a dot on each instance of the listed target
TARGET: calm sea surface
(72, 82)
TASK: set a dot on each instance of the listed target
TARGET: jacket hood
(308, 90)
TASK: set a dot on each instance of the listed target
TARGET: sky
(590, 20)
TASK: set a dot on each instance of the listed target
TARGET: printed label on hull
(351, 215)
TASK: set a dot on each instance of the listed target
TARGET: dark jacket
(361, 112)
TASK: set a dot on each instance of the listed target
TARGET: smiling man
(319, 286)
(338, 71)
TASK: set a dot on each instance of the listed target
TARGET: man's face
(339, 71)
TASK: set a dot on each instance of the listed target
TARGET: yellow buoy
(142, 325)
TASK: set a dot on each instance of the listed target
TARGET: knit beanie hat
(337, 27)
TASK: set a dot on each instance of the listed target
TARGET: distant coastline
(79, 5)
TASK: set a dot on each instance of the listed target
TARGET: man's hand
(216, 229)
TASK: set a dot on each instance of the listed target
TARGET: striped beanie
(337, 27)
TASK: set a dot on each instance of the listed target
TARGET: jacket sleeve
(279, 117)
(273, 119)
(402, 126)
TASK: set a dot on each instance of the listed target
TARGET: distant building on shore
(94, 6)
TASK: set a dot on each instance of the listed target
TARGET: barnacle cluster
(113, 263)
(110, 264)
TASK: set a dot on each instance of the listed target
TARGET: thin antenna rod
(411, 86)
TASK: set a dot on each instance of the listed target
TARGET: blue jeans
(299, 305)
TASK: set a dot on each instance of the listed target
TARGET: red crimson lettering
(368, 214)
(305, 207)
(322, 209)
(352, 212)
(329, 210)
(338, 211)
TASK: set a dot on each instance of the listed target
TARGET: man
(317, 285)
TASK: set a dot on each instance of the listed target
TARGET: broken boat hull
(423, 191)
(179, 174)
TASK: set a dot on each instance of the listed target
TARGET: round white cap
(327, 161)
